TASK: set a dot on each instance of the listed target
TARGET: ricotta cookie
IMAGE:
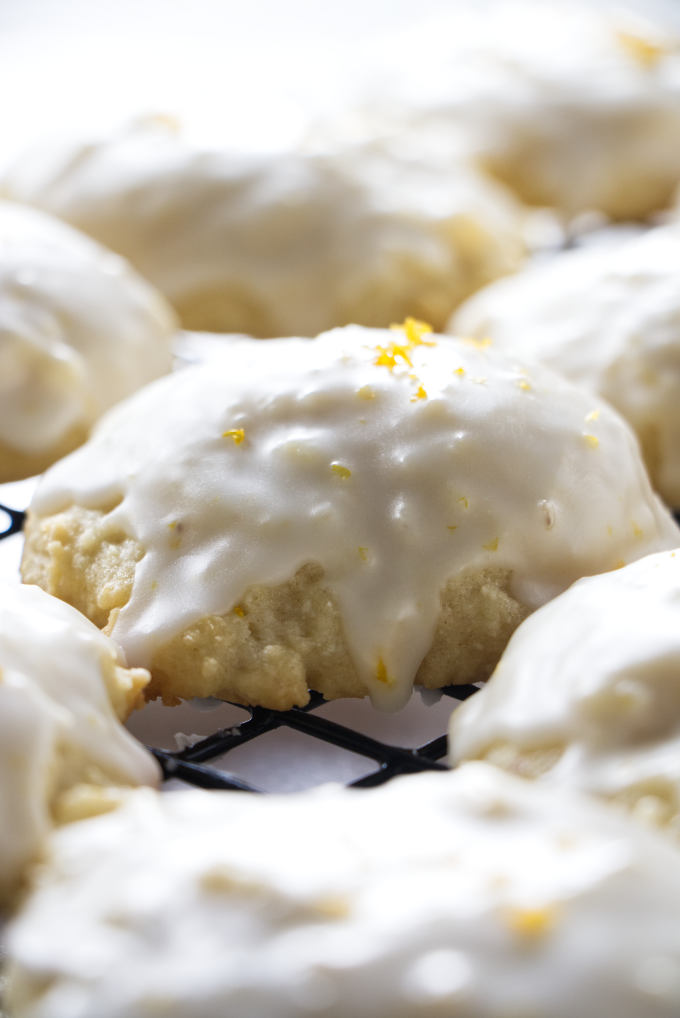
(571, 106)
(587, 693)
(286, 244)
(607, 317)
(78, 331)
(63, 689)
(473, 894)
(352, 514)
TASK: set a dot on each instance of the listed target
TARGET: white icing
(57, 723)
(574, 106)
(463, 460)
(291, 243)
(78, 330)
(470, 893)
(596, 671)
(607, 317)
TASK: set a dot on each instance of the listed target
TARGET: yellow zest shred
(239, 610)
(381, 673)
(389, 355)
(363, 553)
(460, 372)
(643, 51)
(414, 331)
(592, 440)
(452, 526)
(341, 471)
(610, 530)
(637, 530)
(236, 434)
(464, 502)
(592, 416)
(491, 545)
(420, 394)
(523, 384)
(531, 923)
(366, 392)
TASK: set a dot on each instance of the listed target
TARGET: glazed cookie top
(606, 316)
(592, 683)
(63, 688)
(285, 244)
(393, 458)
(570, 105)
(472, 893)
(78, 330)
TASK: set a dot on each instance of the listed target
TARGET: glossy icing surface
(595, 675)
(78, 330)
(468, 893)
(608, 317)
(570, 105)
(63, 687)
(285, 244)
(395, 459)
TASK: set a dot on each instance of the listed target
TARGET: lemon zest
(531, 923)
(237, 435)
(381, 673)
(414, 331)
(643, 51)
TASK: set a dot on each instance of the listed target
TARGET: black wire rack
(192, 765)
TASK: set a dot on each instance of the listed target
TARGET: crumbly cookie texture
(607, 317)
(469, 893)
(355, 513)
(571, 105)
(78, 331)
(587, 693)
(285, 244)
(64, 689)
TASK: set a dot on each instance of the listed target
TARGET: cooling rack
(205, 761)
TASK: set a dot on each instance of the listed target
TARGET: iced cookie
(285, 244)
(607, 317)
(473, 894)
(64, 689)
(587, 693)
(353, 514)
(78, 331)
(569, 105)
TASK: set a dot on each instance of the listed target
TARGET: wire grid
(192, 764)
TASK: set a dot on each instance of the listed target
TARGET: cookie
(78, 331)
(281, 244)
(353, 513)
(570, 105)
(607, 317)
(64, 689)
(587, 693)
(469, 893)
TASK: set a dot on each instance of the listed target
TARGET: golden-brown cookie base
(279, 641)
